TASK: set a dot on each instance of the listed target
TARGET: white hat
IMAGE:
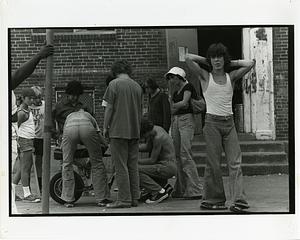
(177, 71)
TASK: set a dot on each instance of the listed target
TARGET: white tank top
(219, 97)
(27, 128)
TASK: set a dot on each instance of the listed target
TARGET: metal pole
(47, 127)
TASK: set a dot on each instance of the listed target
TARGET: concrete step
(252, 169)
(248, 146)
(250, 157)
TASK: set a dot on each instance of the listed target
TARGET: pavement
(265, 194)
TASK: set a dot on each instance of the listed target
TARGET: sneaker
(18, 198)
(104, 202)
(169, 189)
(69, 204)
(134, 203)
(157, 198)
(31, 198)
(144, 196)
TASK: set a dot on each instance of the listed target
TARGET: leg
(179, 189)
(69, 144)
(90, 139)
(17, 171)
(26, 164)
(149, 174)
(234, 161)
(119, 155)
(132, 164)
(213, 182)
(191, 180)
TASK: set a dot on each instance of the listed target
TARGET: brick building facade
(87, 56)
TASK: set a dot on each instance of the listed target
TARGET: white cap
(176, 71)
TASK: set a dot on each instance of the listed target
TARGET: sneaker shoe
(157, 198)
(69, 204)
(169, 189)
(104, 202)
(18, 198)
(134, 203)
(144, 196)
(31, 198)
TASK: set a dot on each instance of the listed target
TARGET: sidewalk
(265, 194)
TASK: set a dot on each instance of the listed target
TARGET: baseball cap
(176, 71)
(28, 92)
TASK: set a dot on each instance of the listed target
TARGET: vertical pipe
(47, 127)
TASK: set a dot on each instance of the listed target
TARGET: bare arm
(154, 154)
(244, 67)
(144, 147)
(27, 68)
(184, 102)
(107, 119)
(192, 61)
(22, 117)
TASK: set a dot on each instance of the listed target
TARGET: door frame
(252, 88)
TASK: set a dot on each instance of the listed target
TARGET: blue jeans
(124, 153)
(156, 171)
(187, 180)
(86, 134)
(220, 133)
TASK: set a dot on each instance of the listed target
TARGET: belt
(217, 117)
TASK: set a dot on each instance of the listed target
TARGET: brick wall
(88, 57)
(280, 60)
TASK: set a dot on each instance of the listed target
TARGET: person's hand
(46, 51)
(105, 133)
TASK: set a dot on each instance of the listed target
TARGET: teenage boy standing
(219, 130)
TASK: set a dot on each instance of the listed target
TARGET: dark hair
(146, 126)
(121, 66)
(176, 75)
(108, 79)
(74, 88)
(151, 83)
(28, 92)
(218, 50)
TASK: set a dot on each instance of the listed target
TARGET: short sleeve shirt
(125, 96)
(177, 97)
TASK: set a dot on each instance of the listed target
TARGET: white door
(258, 83)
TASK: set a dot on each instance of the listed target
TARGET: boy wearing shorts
(26, 136)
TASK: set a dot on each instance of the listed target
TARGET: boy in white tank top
(26, 134)
(17, 77)
(219, 129)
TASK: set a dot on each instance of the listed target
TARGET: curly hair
(74, 88)
(121, 66)
(146, 126)
(218, 50)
